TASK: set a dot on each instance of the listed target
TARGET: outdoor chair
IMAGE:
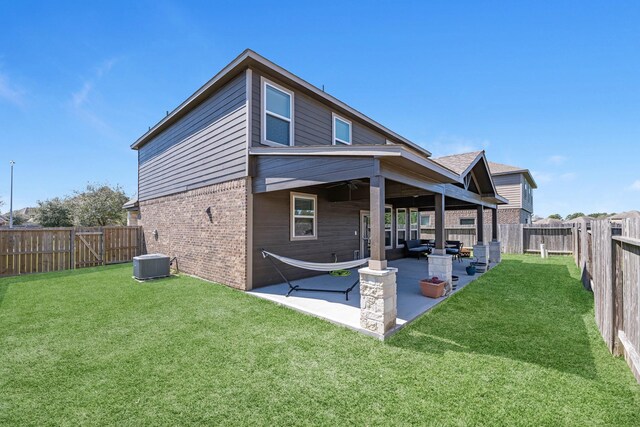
(453, 247)
(416, 248)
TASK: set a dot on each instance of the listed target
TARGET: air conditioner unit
(151, 266)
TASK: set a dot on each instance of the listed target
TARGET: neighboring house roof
(28, 213)
(250, 58)
(625, 215)
(548, 221)
(502, 169)
(580, 218)
(131, 204)
(3, 220)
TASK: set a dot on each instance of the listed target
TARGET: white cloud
(557, 159)
(446, 145)
(80, 101)
(79, 98)
(543, 177)
(636, 185)
(10, 92)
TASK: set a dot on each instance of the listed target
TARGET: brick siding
(208, 245)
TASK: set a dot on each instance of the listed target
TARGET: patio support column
(494, 245)
(378, 260)
(481, 250)
(440, 214)
(378, 293)
(441, 264)
(480, 225)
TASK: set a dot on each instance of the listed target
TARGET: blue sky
(550, 86)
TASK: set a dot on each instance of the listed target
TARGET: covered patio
(354, 200)
(335, 308)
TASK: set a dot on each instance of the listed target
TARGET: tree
(18, 219)
(574, 216)
(555, 216)
(601, 214)
(99, 205)
(54, 212)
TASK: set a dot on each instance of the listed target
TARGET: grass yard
(517, 347)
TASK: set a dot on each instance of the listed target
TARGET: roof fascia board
(249, 58)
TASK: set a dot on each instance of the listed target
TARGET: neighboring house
(4, 220)
(133, 211)
(624, 215)
(516, 185)
(259, 158)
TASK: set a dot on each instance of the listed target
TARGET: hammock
(314, 266)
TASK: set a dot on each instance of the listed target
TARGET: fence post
(72, 234)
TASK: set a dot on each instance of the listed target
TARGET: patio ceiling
(284, 168)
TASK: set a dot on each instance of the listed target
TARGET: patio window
(277, 117)
(388, 227)
(401, 226)
(413, 224)
(467, 221)
(303, 216)
(425, 220)
(341, 130)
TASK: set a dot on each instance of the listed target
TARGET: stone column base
(378, 300)
(481, 253)
(441, 266)
(494, 252)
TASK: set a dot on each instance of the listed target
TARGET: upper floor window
(467, 221)
(341, 130)
(277, 115)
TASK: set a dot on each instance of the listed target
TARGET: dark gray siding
(280, 172)
(338, 232)
(337, 224)
(206, 146)
(312, 120)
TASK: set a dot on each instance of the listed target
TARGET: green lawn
(517, 347)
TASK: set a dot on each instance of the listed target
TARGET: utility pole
(11, 197)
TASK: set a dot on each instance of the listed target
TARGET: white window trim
(335, 139)
(263, 102)
(391, 229)
(398, 230)
(467, 225)
(292, 209)
(417, 225)
(425, 214)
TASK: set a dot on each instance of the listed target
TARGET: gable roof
(464, 163)
(249, 58)
(459, 163)
(502, 169)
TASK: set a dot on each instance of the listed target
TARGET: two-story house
(260, 159)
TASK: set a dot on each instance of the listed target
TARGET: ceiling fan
(351, 184)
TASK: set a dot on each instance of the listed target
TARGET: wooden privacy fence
(521, 238)
(24, 251)
(609, 257)
(466, 235)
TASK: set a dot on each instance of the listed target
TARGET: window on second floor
(341, 130)
(277, 115)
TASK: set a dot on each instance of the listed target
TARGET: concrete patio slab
(335, 308)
